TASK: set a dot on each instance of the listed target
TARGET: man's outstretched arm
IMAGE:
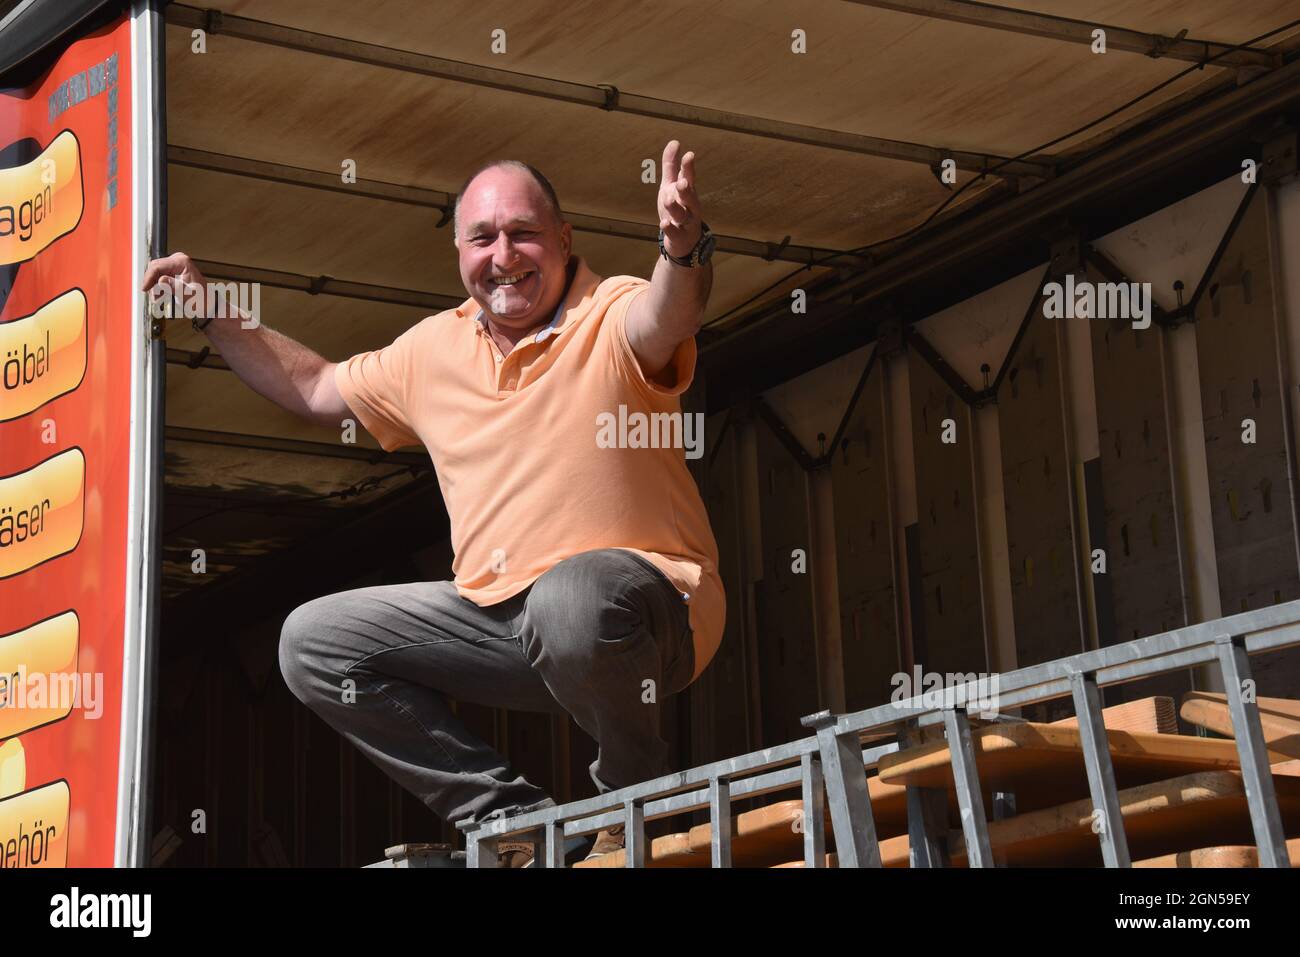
(279, 368)
(673, 308)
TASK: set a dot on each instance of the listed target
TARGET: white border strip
(130, 847)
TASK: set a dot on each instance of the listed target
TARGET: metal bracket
(1160, 44)
(213, 23)
(611, 96)
(775, 249)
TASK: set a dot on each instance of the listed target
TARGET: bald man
(585, 570)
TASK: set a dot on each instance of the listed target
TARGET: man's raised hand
(680, 215)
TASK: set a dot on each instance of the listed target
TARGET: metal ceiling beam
(271, 443)
(327, 286)
(443, 202)
(205, 359)
(600, 97)
(936, 252)
(1076, 31)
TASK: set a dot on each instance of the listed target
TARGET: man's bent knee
(586, 605)
(302, 644)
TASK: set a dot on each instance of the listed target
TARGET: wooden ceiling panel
(313, 112)
(871, 71)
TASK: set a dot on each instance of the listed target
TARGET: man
(586, 576)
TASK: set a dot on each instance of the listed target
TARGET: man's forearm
(678, 295)
(272, 365)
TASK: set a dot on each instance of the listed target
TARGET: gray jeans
(603, 636)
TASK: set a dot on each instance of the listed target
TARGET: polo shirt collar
(550, 329)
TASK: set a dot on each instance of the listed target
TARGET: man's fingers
(670, 165)
(676, 209)
(167, 266)
(688, 169)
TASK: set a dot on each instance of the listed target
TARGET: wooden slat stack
(1181, 795)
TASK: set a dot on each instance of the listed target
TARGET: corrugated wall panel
(1254, 533)
(724, 687)
(783, 600)
(1134, 481)
(1036, 476)
(868, 616)
(951, 634)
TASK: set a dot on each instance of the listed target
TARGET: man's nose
(503, 251)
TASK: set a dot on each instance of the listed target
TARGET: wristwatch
(698, 256)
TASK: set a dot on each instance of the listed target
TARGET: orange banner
(67, 336)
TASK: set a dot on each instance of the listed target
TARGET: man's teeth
(509, 280)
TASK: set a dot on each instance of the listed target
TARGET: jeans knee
(301, 645)
(586, 611)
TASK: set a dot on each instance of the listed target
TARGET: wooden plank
(1159, 818)
(1047, 760)
(1237, 855)
(1154, 715)
(1279, 718)
(1205, 809)
(670, 850)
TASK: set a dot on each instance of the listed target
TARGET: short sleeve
(675, 378)
(375, 385)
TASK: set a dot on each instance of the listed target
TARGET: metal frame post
(927, 816)
(814, 810)
(1101, 772)
(970, 801)
(720, 821)
(846, 789)
(1256, 776)
(634, 849)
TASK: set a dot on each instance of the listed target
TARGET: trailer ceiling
(800, 156)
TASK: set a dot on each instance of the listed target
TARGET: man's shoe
(608, 840)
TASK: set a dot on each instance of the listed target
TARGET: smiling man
(585, 573)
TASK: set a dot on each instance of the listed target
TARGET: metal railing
(830, 766)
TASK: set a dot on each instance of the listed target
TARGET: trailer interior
(914, 180)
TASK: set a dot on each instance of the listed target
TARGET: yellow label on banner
(13, 767)
(34, 827)
(42, 511)
(42, 356)
(41, 200)
(39, 681)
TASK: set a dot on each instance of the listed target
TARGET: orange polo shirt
(536, 460)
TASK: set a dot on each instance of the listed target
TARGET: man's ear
(566, 239)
